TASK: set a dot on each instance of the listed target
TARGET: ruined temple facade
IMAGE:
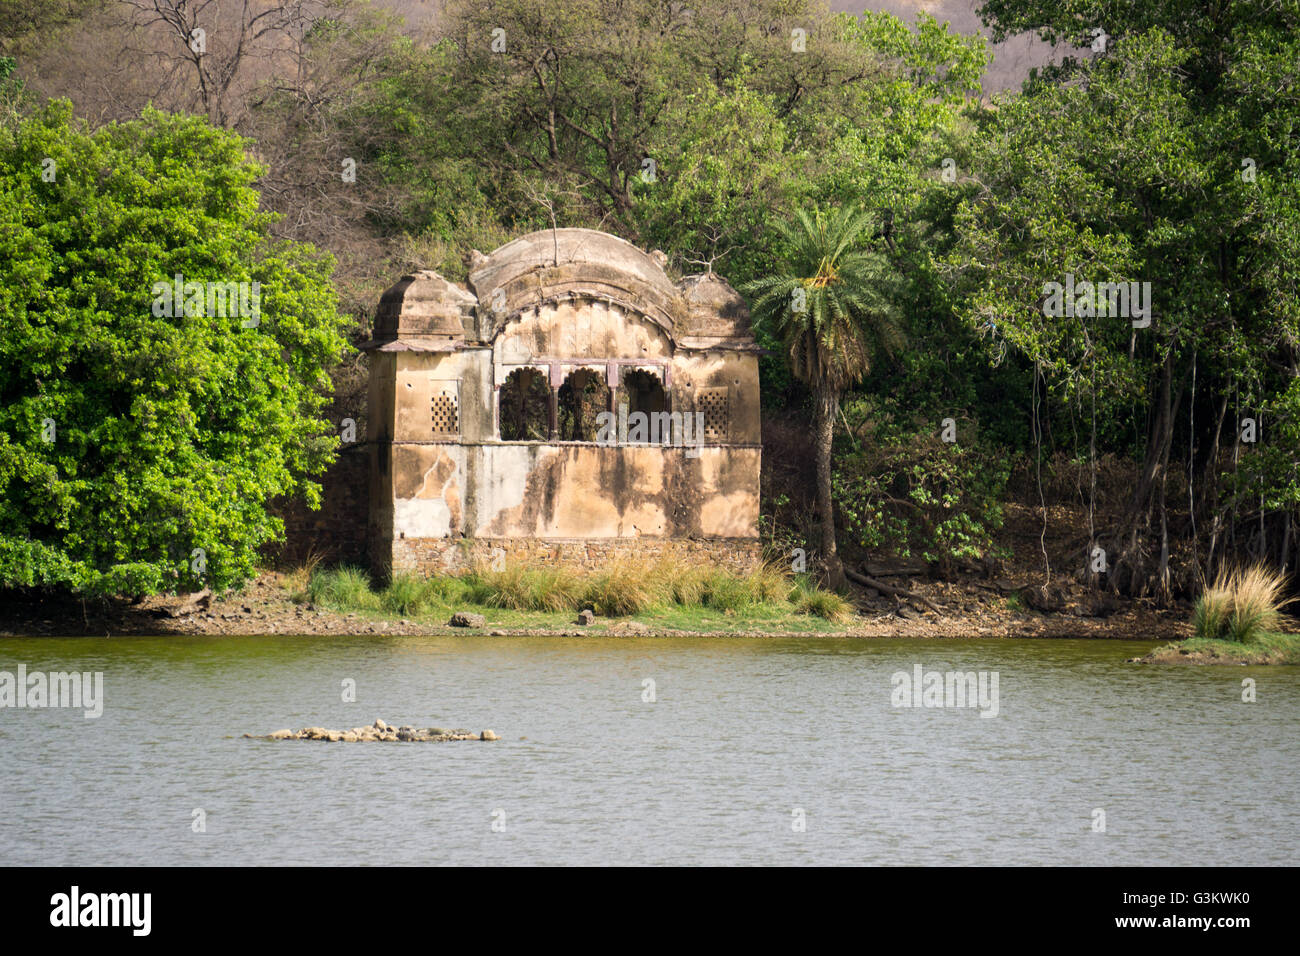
(570, 405)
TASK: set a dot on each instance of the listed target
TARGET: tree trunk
(827, 405)
(1284, 554)
(1163, 589)
(1148, 490)
(1209, 503)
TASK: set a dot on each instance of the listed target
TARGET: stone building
(571, 405)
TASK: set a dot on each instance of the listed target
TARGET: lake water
(741, 734)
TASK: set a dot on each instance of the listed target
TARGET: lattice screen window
(713, 402)
(445, 410)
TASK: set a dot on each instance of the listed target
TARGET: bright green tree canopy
(138, 450)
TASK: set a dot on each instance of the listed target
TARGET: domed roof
(426, 313)
(422, 311)
(557, 263)
(714, 307)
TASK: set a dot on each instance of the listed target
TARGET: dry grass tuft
(1242, 606)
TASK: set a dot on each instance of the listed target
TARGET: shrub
(684, 584)
(899, 486)
(298, 580)
(521, 588)
(1210, 616)
(142, 444)
(344, 587)
(807, 598)
(770, 583)
(697, 585)
(724, 591)
(451, 589)
(1242, 606)
(408, 594)
(627, 586)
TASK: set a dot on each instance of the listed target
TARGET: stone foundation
(443, 555)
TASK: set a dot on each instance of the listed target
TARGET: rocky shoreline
(975, 608)
(378, 731)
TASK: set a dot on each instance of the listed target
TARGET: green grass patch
(810, 599)
(1264, 648)
(672, 594)
(764, 618)
(343, 588)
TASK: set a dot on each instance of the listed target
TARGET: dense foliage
(139, 450)
(1161, 151)
(905, 487)
(1169, 159)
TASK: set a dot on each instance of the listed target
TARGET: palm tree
(830, 303)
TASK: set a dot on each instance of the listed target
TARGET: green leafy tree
(582, 95)
(831, 303)
(140, 445)
(13, 91)
(902, 489)
(722, 164)
(1167, 157)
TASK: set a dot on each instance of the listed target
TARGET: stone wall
(337, 532)
(441, 555)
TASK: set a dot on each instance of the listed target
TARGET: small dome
(423, 311)
(716, 309)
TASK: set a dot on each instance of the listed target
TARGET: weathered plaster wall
(586, 329)
(572, 490)
(737, 372)
(441, 478)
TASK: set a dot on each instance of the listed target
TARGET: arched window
(523, 410)
(642, 391)
(583, 396)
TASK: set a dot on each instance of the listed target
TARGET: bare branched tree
(207, 44)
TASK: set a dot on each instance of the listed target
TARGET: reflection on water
(741, 734)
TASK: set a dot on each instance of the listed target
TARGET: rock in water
(381, 731)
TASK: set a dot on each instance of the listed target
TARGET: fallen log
(890, 589)
(942, 570)
(895, 572)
